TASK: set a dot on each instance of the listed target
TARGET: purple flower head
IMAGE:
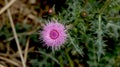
(54, 35)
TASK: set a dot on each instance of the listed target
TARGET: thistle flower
(54, 35)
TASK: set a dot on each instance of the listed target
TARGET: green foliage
(94, 31)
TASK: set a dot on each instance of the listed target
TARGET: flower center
(54, 34)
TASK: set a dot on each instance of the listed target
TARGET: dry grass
(24, 14)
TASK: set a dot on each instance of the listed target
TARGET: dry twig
(7, 6)
(26, 50)
(10, 61)
(16, 37)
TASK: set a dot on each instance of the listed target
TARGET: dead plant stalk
(16, 37)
